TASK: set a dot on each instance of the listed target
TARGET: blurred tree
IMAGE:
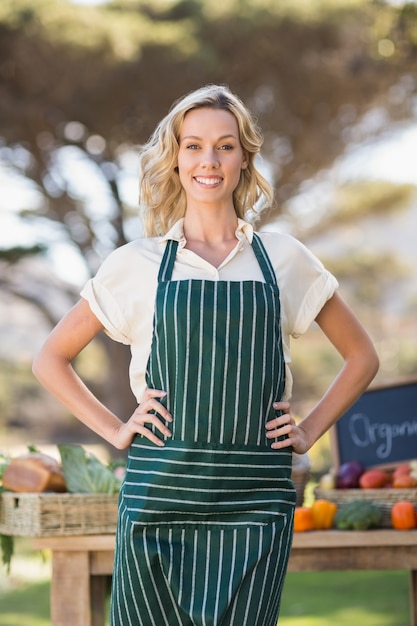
(89, 84)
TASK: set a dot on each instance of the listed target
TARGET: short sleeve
(106, 309)
(305, 284)
(121, 295)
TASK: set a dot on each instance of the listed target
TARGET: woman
(207, 306)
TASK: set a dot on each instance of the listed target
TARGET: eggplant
(348, 474)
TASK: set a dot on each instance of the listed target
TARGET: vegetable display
(36, 473)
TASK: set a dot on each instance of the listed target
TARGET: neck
(212, 228)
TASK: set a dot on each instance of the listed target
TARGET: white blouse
(122, 294)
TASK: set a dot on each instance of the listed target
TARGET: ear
(245, 161)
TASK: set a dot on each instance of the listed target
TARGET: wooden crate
(50, 514)
(383, 498)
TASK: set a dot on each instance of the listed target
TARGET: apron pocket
(188, 483)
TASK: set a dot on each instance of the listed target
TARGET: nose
(209, 159)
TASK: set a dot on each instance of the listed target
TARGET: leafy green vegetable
(358, 515)
(4, 461)
(84, 473)
(7, 549)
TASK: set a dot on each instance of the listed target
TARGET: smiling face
(210, 157)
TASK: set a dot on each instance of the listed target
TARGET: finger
(282, 443)
(148, 434)
(279, 421)
(139, 424)
(152, 396)
(142, 419)
(282, 406)
(153, 393)
(153, 405)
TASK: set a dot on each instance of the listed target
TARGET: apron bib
(205, 523)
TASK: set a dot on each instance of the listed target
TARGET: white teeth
(208, 181)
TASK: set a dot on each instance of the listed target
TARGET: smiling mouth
(202, 180)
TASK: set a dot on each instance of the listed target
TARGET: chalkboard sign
(380, 428)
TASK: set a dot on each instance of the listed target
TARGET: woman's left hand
(285, 425)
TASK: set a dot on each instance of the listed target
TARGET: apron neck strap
(168, 260)
(263, 260)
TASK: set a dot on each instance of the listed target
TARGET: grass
(24, 592)
(374, 598)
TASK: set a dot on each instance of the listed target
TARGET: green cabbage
(84, 473)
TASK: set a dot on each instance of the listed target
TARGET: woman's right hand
(137, 423)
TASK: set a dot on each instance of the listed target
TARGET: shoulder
(282, 248)
(140, 253)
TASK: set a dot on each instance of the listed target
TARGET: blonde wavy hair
(161, 195)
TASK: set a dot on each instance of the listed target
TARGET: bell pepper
(403, 516)
(303, 519)
(373, 479)
(324, 512)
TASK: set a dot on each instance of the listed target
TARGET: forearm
(60, 379)
(347, 387)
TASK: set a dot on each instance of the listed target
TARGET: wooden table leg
(99, 588)
(70, 589)
(413, 597)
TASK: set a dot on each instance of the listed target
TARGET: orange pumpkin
(403, 516)
(303, 519)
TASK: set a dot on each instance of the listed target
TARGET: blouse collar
(176, 232)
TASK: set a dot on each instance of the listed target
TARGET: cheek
(183, 163)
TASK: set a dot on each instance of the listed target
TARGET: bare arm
(350, 339)
(52, 366)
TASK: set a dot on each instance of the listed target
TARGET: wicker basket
(300, 475)
(49, 514)
(384, 498)
(300, 480)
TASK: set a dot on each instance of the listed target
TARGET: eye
(226, 146)
(192, 146)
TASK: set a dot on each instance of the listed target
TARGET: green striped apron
(205, 523)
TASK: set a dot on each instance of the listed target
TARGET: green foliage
(17, 253)
(4, 461)
(368, 197)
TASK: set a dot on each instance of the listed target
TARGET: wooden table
(81, 566)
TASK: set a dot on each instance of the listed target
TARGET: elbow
(36, 366)
(40, 367)
(371, 365)
(375, 364)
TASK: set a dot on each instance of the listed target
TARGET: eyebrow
(188, 137)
